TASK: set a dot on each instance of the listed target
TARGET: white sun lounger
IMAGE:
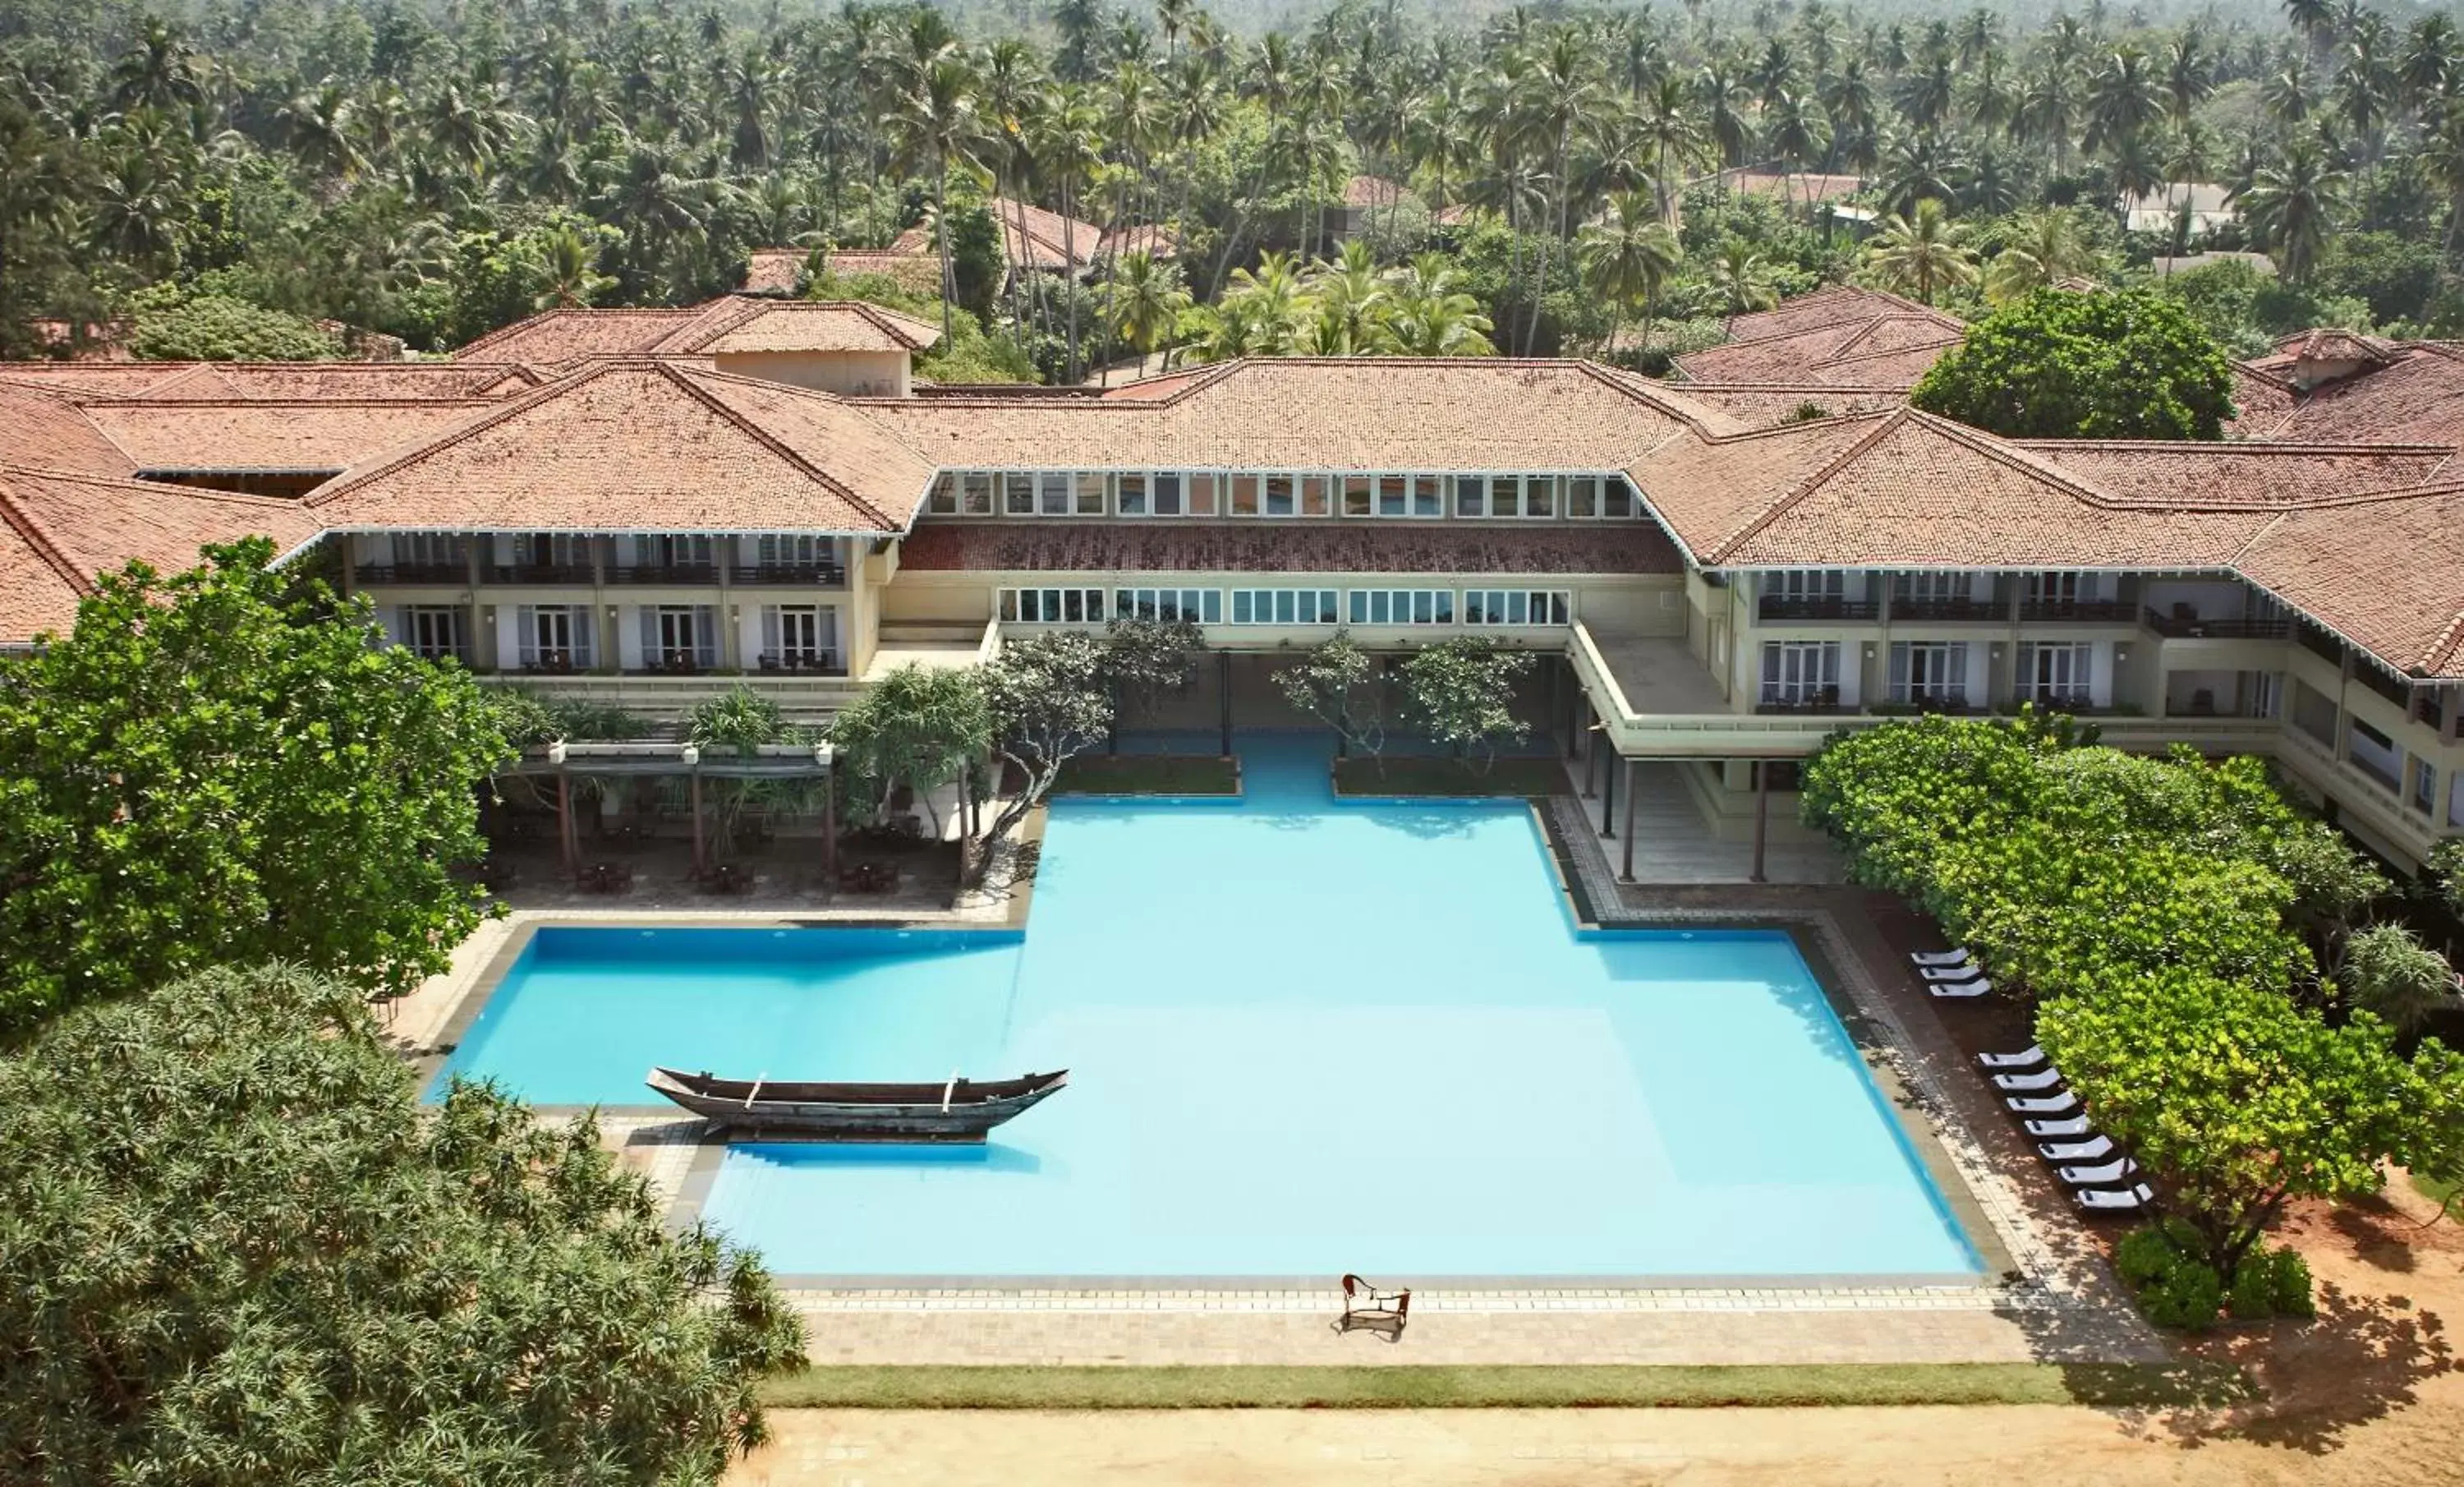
(2042, 1079)
(1957, 955)
(2026, 1059)
(2087, 1151)
(2140, 1197)
(2062, 1103)
(2075, 1126)
(1950, 973)
(2121, 1171)
(1977, 987)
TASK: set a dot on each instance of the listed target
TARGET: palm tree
(1674, 134)
(1923, 254)
(2048, 249)
(1740, 279)
(1627, 258)
(160, 72)
(1349, 294)
(316, 129)
(1429, 316)
(1146, 298)
(938, 126)
(1796, 131)
(570, 258)
(2291, 205)
(2121, 100)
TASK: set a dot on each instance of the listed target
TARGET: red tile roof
(2383, 573)
(59, 530)
(1844, 336)
(733, 322)
(2243, 474)
(1296, 547)
(46, 428)
(2419, 399)
(218, 382)
(775, 271)
(628, 445)
(269, 435)
(1371, 190)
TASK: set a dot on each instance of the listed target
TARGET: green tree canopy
(222, 328)
(236, 1250)
(1461, 692)
(1048, 702)
(221, 766)
(917, 726)
(2123, 365)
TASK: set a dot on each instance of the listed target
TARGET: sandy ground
(2369, 1394)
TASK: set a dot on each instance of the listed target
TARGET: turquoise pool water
(1303, 1038)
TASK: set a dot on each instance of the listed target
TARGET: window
(558, 549)
(1540, 495)
(1201, 494)
(1165, 493)
(1317, 494)
(975, 494)
(781, 552)
(679, 636)
(1471, 495)
(1582, 496)
(2424, 795)
(1052, 493)
(1425, 499)
(1402, 607)
(2266, 693)
(1198, 605)
(1618, 498)
(1018, 494)
(552, 637)
(1929, 672)
(1091, 489)
(2056, 675)
(1356, 495)
(1394, 495)
(1932, 587)
(1807, 586)
(2313, 713)
(1130, 494)
(434, 631)
(1801, 673)
(430, 549)
(1240, 496)
(2372, 752)
(1282, 495)
(942, 499)
(1283, 607)
(798, 636)
(1052, 606)
(1517, 607)
(2060, 586)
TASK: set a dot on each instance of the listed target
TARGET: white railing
(671, 697)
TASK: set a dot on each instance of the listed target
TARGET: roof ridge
(770, 441)
(148, 487)
(2002, 450)
(1883, 424)
(611, 311)
(500, 409)
(1631, 385)
(24, 523)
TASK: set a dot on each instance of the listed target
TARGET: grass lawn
(1370, 1386)
(1148, 774)
(1417, 775)
(2431, 1187)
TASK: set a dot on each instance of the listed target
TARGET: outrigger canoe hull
(953, 1110)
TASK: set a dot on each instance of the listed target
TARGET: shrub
(2175, 1288)
(2252, 1298)
(2289, 1289)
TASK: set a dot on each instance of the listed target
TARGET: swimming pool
(1304, 1037)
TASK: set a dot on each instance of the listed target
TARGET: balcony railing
(454, 573)
(2058, 699)
(1936, 700)
(806, 663)
(2080, 612)
(679, 662)
(1823, 702)
(2192, 627)
(1781, 607)
(553, 661)
(542, 573)
(811, 575)
(1960, 610)
(664, 574)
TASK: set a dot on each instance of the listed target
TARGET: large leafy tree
(222, 765)
(237, 1251)
(2126, 364)
(1048, 702)
(1462, 693)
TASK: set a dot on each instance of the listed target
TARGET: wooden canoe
(948, 1110)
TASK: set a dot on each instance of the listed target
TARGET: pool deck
(2053, 1301)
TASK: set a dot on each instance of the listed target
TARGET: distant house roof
(1787, 185)
(59, 530)
(1842, 336)
(1371, 190)
(730, 323)
(773, 271)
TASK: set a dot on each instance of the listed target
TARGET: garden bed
(1420, 775)
(1149, 774)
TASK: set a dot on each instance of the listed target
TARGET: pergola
(560, 760)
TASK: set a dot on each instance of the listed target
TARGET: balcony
(542, 573)
(552, 661)
(2080, 612)
(810, 575)
(2056, 699)
(372, 575)
(805, 663)
(1779, 607)
(1962, 611)
(1805, 703)
(1935, 699)
(2192, 627)
(688, 573)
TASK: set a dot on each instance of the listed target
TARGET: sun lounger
(2088, 1150)
(2062, 1103)
(1978, 987)
(2026, 1059)
(2042, 1079)
(2073, 1125)
(1957, 955)
(2135, 1199)
(2121, 1171)
(1950, 973)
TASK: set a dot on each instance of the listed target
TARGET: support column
(700, 865)
(1762, 814)
(1608, 794)
(830, 829)
(1556, 691)
(571, 849)
(1223, 684)
(1633, 768)
(1574, 715)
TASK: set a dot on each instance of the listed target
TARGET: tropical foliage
(1344, 687)
(2172, 916)
(219, 767)
(2132, 365)
(236, 1250)
(1461, 693)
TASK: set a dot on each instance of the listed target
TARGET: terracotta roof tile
(1371, 190)
(775, 271)
(920, 273)
(557, 338)
(633, 444)
(266, 436)
(2384, 573)
(816, 326)
(2417, 400)
(1043, 546)
(2241, 473)
(59, 530)
(107, 379)
(46, 427)
(1709, 491)
(217, 382)
(1762, 406)
(1831, 305)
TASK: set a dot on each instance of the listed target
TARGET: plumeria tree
(1345, 688)
(1048, 702)
(1461, 692)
